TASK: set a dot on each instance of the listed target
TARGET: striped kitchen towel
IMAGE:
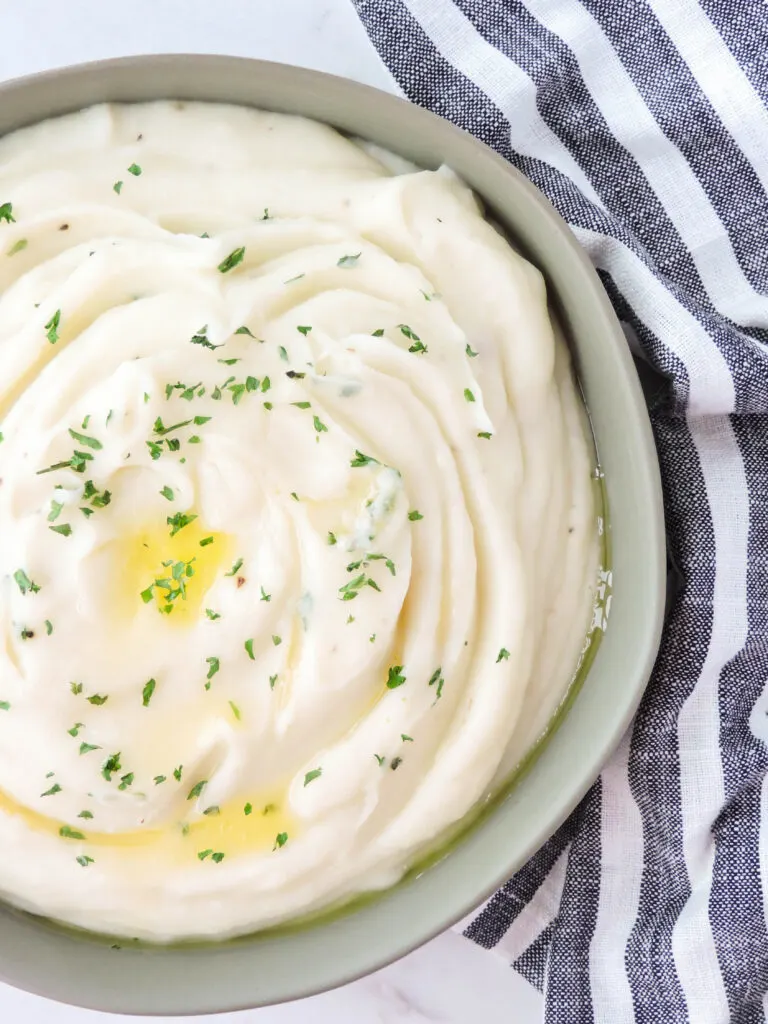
(645, 123)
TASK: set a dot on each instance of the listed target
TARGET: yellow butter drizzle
(231, 831)
(139, 562)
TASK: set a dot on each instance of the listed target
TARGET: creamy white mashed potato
(297, 536)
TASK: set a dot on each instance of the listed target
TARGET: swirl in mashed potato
(297, 537)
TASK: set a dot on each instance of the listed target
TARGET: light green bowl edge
(277, 966)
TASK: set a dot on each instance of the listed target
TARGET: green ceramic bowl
(286, 964)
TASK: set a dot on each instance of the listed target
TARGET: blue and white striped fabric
(645, 123)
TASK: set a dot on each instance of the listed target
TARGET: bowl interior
(290, 963)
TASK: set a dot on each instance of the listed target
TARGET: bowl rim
(257, 970)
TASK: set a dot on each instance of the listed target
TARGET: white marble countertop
(448, 981)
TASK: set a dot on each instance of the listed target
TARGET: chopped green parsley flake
(213, 668)
(160, 428)
(249, 649)
(363, 460)
(503, 655)
(177, 772)
(25, 584)
(5, 705)
(19, 246)
(118, 187)
(410, 334)
(311, 776)
(135, 170)
(86, 748)
(276, 640)
(146, 693)
(245, 330)
(76, 688)
(235, 709)
(197, 789)
(6, 213)
(380, 759)
(65, 529)
(470, 352)
(69, 833)
(159, 779)
(167, 493)
(272, 681)
(110, 766)
(84, 860)
(485, 434)
(378, 334)
(84, 439)
(350, 590)
(206, 541)
(414, 515)
(280, 840)
(265, 596)
(77, 463)
(349, 261)
(97, 699)
(395, 677)
(52, 327)
(405, 738)
(235, 568)
(437, 678)
(48, 627)
(304, 330)
(320, 427)
(248, 809)
(201, 338)
(179, 521)
(212, 615)
(231, 261)
(332, 538)
(55, 788)
(468, 395)
(418, 347)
